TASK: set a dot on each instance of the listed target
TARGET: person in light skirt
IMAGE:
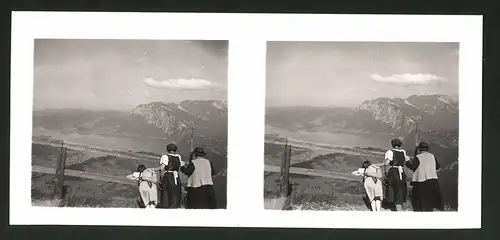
(147, 181)
(372, 183)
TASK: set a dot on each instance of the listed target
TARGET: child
(147, 181)
(372, 176)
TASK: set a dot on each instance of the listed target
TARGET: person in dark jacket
(426, 193)
(396, 189)
(170, 164)
(200, 186)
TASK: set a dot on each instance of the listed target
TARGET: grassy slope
(92, 193)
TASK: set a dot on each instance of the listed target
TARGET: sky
(121, 74)
(344, 74)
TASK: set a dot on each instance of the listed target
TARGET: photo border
(247, 35)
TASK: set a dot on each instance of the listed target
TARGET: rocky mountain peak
(399, 114)
(176, 119)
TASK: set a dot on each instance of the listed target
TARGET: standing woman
(426, 193)
(200, 186)
(170, 164)
(396, 189)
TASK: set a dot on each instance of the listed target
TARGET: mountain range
(175, 120)
(435, 114)
(156, 121)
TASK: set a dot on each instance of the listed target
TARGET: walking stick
(416, 139)
(160, 188)
(183, 201)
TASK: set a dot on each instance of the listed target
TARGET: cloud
(408, 78)
(182, 84)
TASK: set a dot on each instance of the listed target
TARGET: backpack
(149, 176)
(374, 172)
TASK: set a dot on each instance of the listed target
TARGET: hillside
(342, 194)
(92, 193)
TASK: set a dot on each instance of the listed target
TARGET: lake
(343, 139)
(158, 145)
(135, 144)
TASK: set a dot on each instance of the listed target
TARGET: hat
(198, 151)
(423, 146)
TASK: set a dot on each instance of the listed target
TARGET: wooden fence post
(288, 156)
(282, 174)
(285, 172)
(59, 178)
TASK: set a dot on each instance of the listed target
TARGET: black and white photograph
(245, 120)
(362, 126)
(125, 123)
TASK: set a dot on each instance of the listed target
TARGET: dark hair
(171, 147)
(366, 164)
(396, 142)
(423, 146)
(141, 168)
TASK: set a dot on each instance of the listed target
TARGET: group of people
(425, 193)
(164, 190)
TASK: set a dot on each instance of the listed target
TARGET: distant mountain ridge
(208, 117)
(434, 112)
(171, 121)
(381, 115)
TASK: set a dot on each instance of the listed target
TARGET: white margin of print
(247, 35)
